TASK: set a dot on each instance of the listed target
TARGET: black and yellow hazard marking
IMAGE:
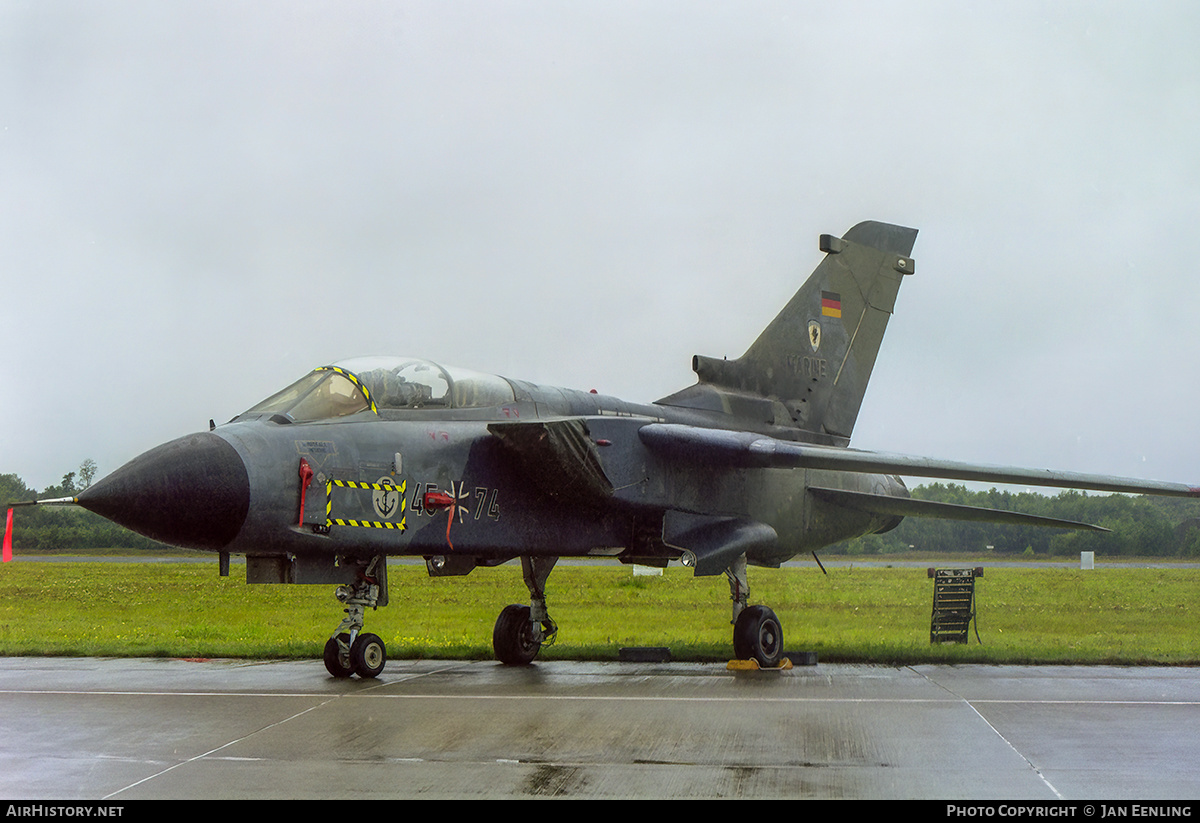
(375, 487)
(353, 378)
(330, 520)
(367, 524)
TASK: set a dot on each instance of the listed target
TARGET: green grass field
(876, 615)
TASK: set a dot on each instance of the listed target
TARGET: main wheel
(757, 634)
(337, 662)
(512, 638)
(368, 655)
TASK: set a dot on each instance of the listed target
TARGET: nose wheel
(367, 655)
(337, 656)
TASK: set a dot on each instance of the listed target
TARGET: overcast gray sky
(202, 201)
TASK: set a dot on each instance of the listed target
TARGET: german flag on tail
(831, 304)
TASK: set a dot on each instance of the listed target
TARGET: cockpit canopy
(384, 384)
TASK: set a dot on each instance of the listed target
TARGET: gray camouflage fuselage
(501, 507)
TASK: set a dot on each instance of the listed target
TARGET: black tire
(512, 638)
(368, 655)
(336, 663)
(757, 635)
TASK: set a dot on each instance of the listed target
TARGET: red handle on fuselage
(306, 476)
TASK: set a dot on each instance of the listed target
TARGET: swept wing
(750, 450)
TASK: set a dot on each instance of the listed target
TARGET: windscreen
(321, 395)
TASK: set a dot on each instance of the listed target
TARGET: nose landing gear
(350, 650)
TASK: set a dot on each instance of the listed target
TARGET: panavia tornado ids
(394, 456)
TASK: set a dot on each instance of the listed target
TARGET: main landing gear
(351, 650)
(521, 631)
(757, 634)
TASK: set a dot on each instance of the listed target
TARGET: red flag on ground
(7, 556)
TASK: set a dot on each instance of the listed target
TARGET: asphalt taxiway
(120, 729)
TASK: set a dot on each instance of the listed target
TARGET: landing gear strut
(521, 631)
(350, 650)
(757, 634)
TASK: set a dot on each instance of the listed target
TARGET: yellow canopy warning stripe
(353, 378)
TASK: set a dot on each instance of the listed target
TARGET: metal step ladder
(953, 604)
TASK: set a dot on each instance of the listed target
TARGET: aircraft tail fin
(809, 368)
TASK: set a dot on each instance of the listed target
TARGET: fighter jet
(385, 457)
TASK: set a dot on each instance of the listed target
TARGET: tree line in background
(1144, 526)
(1139, 526)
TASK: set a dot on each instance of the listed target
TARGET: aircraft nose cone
(192, 492)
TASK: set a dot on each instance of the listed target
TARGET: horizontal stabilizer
(909, 507)
(750, 450)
